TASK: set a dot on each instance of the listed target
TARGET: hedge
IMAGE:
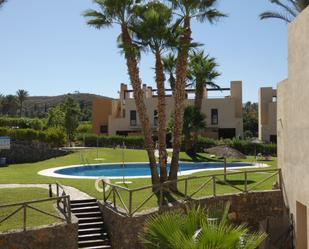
(53, 136)
(132, 142)
(137, 142)
(23, 123)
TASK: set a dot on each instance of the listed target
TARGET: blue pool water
(138, 169)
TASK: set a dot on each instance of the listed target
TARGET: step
(89, 214)
(91, 225)
(97, 247)
(94, 236)
(83, 201)
(84, 209)
(85, 231)
(88, 243)
(80, 205)
(89, 220)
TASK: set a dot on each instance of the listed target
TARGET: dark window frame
(155, 117)
(214, 116)
(133, 118)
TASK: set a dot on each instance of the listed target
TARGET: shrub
(55, 137)
(131, 142)
(137, 142)
(84, 128)
(23, 123)
(37, 124)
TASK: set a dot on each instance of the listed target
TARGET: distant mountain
(37, 106)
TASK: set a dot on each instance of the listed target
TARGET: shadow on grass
(199, 158)
(235, 182)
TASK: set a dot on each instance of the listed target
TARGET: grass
(27, 173)
(34, 218)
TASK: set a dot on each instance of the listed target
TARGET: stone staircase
(91, 230)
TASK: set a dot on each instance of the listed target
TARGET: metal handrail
(162, 188)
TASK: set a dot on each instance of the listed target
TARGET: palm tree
(9, 105)
(202, 73)
(194, 121)
(197, 229)
(201, 10)
(120, 12)
(291, 9)
(22, 95)
(153, 29)
(169, 65)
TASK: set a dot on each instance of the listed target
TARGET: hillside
(39, 105)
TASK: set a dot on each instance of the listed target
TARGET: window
(104, 129)
(155, 117)
(123, 113)
(133, 121)
(214, 116)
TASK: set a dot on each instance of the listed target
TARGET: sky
(47, 49)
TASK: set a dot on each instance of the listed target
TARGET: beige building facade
(268, 114)
(293, 128)
(223, 114)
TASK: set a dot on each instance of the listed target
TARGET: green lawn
(27, 173)
(34, 218)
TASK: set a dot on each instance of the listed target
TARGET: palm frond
(2, 2)
(276, 15)
(191, 230)
(210, 15)
(285, 7)
(97, 19)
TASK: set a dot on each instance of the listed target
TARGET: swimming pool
(134, 170)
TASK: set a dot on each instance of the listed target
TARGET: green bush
(244, 146)
(84, 127)
(137, 142)
(132, 142)
(55, 137)
(22, 123)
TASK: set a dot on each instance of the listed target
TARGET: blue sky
(47, 49)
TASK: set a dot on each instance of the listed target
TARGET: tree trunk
(21, 108)
(133, 71)
(161, 117)
(199, 94)
(179, 96)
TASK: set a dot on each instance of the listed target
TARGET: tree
(169, 65)
(202, 73)
(55, 117)
(22, 95)
(154, 32)
(201, 10)
(250, 116)
(121, 13)
(194, 121)
(71, 118)
(9, 105)
(291, 8)
(197, 229)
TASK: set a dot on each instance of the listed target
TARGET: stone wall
(251, 208)
(28, 152)
(61, 236)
